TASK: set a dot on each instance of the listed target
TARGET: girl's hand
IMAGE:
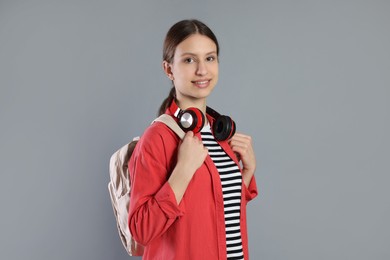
(192, 152)
(241, 144)
(190, 157)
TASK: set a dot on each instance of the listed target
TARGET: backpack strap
(171, 123)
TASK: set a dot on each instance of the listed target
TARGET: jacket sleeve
(153, 207)
(251, 191)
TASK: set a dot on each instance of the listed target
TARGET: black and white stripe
(231, 180)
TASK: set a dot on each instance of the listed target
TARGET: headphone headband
(214, 114)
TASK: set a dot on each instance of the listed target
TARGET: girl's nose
(201, 69)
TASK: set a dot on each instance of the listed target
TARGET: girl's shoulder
(159, 134)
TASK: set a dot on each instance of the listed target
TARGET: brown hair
(176, 34)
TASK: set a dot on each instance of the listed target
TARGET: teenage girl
(189, 197)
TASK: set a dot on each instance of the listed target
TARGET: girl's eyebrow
(194, 54)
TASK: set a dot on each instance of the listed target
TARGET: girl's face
(194, 70)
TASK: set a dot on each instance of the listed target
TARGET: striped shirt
(231, 181)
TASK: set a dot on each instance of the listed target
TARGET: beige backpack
(119, 186)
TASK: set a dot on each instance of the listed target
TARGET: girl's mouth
(201, 83)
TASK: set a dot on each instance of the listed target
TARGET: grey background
(309, 80)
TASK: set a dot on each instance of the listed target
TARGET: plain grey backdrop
(308, 80)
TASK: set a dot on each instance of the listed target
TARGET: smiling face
(194, 70)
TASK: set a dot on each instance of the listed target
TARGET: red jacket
(194, 229)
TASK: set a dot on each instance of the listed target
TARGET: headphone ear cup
(200, 119)
(224, 128)
(191, 119)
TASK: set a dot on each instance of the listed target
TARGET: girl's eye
(211, 58)
(189, 60)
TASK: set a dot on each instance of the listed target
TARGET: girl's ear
(167, 69)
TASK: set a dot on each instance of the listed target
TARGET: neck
(198, 103)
